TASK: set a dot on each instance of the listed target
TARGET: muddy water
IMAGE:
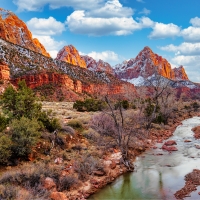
(159, 176)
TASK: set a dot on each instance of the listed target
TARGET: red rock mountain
(146, 64)
(180, 73)
(14, 30)
(70, 55)
(93, 65)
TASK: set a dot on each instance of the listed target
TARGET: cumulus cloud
(145, 11)
(111, 19)
(52, 46)
(191, 34)
(195, 22)
(186, 54)
(36, 5)
(112, 8)
(183, 49)
(79, 23)
(145, 22)
(41, 26)
(161, 31)
(108, 56)
(191, 64)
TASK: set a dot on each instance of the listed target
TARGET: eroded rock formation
(180, 73)
(146, 64)
(14, 30)
(4, 72)
(70, 55)
(100, 65)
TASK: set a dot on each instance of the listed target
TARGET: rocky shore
(114, 169)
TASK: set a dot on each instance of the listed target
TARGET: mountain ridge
(14, 30)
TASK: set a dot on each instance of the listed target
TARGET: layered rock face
(14, 30)
(38, 80)
(70, 55)
(93, 65)
(146, 64)
(180, 73)
(4, 72)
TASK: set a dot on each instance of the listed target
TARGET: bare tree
(161, 99)
(122, 127)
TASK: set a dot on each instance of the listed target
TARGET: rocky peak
(70, 55)
(93, 65)
(14, 30)
(146, 64)
(180, 73)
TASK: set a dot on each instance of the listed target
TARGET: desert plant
(86, 165)
(8, 192)
(24, 135)
(66, 182)
(5, 148)
(89, 105)
(76, 124)
(3, 122)
(20, 103)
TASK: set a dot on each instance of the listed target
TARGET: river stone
(170, 142)
(169, 148)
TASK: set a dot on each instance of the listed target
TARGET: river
(159, 176)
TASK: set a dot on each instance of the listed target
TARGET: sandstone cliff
(70, 55)
(100, 65)
(14, 30)
(180, 73)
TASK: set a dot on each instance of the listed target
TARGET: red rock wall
(77, 86)
(37, 80)
(4, 72)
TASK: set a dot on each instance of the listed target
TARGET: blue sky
(116, 30)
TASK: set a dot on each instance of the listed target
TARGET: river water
(159, 176)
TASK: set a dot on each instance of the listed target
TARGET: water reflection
(158, 177)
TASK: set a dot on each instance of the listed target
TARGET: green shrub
(5, 149)
(89, 105)
(20, 103)
(3, 122)
(76, 124)
(51, 124)
(24, 135)
(124, 104)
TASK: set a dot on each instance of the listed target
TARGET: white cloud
(110, 19)
(51, 45)
(146, 22)
(183, 49)
(145, 11)
(41, 26)
(112, 8)
(107, 56)
(79, 23)
(191, 64)
(191, 34)
(195, 22)
(36, 5)
(161, 31)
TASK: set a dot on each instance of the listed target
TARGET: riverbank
(114, 169)
(192, 181)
